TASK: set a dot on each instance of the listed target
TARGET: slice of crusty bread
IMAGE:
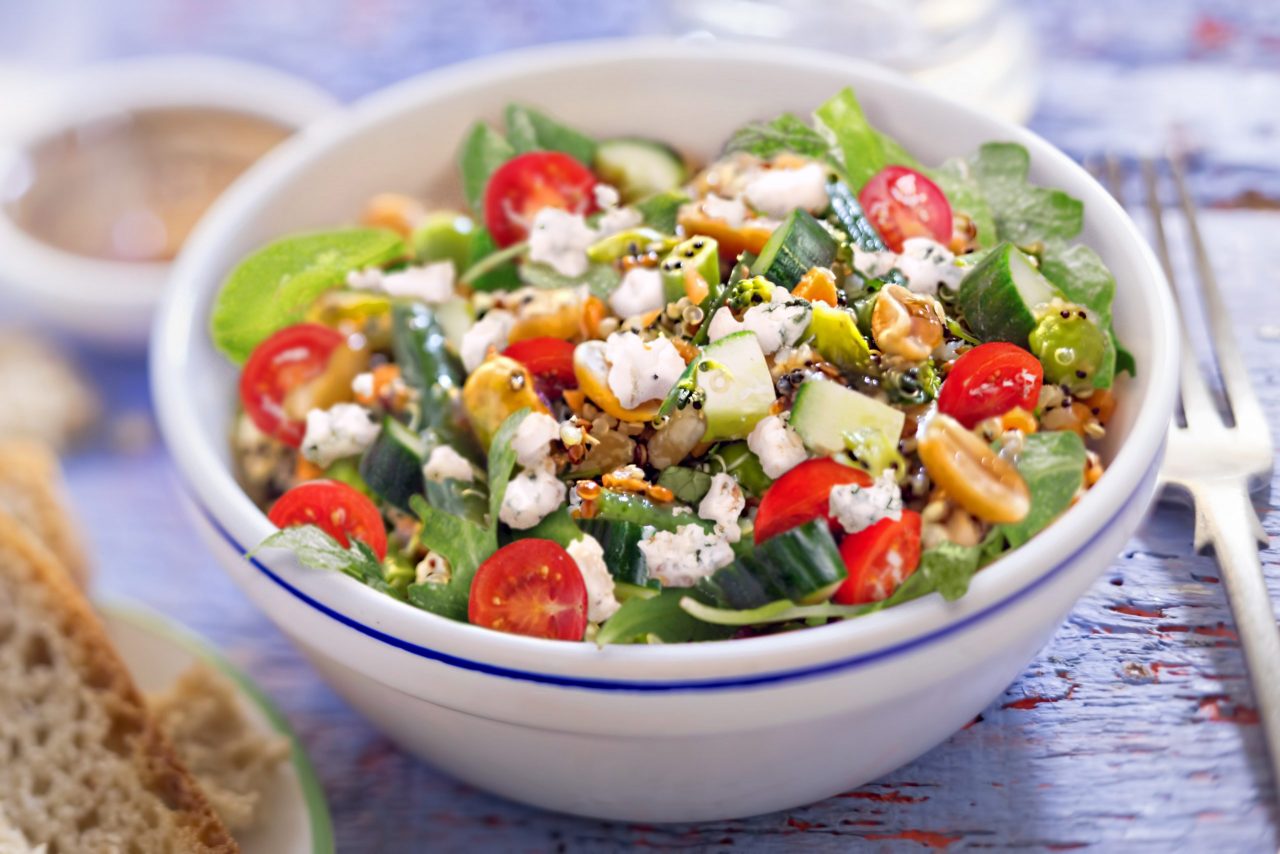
(201, 716)
(83, 767)
(31, 490)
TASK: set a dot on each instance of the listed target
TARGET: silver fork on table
(1218, 465)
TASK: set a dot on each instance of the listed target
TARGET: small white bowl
(113, 302)
(649, 733)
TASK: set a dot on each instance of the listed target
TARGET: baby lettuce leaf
(787, 132)
(274, 286)
(483, 151)
(530, 130)
(658, 617)
(464, 542)
(780, 611)
(661, 210)
(864, 151)
(956, 180)
(1023, 212)
(1052, 464)
(501, 277)
(687, 484)
(317, 550)
(560, 528)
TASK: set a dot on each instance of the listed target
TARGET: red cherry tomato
(290, 358)
(339, 510)
(989, 380)
(802, 495)
(530, 587)
(529, 182)
(550, 360)
(902, 203)
(879, 559)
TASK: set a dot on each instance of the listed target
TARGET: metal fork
(1218, 464)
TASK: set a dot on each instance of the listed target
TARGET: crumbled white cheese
(777, 192)
(723, 504)
(681, 558)
(779, 448)
(343, 430)
(606, 195)
(533, 438)
(589, 556)
(859, 507)
(444, 463)
(362, 385)
(489, 331)
(366, 279)
(777, 324)
(432, 283)
(639, 370)
(874, 264)
(560, 238)
(531, 496)
(640, 290)
(928, 265)
(432, 569)
(731, 211)
(614, 220)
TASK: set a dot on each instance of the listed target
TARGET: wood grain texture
(1133, 730)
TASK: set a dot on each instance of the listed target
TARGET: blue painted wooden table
(1133, 730)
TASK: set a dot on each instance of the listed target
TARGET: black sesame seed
(1081, 374)
(1097, 410)
(1066, 313)
(698, 244)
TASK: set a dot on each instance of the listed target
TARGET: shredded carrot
(304, 469)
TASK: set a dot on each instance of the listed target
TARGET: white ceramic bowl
(109, 302)
(654, 733)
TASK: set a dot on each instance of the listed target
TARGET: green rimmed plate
(295, 817)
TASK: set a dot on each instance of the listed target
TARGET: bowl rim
(42, 272)
(679, 667)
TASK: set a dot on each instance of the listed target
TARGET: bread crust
(82, 647)
(31, 490)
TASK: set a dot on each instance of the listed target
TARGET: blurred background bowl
(103, 170)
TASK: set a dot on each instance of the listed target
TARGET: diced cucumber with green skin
(736, 459)
(999, 296)
(619, 540)
(639, 167)
(715, 299)
(392, 466)
(420, 346)
(444, 236)
(504, 277)
(824, 411)
(738, 387)
(802, 565)
(628, 507)
(615, 246)
(848, 212)
(661, 210)
(795, 247)
(700, 253)
(455, 317)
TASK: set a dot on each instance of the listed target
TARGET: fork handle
(1225, 518)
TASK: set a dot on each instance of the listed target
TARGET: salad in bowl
(625, 398)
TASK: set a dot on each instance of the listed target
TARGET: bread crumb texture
(83, 767)
(232, 761)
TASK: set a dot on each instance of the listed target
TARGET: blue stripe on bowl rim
(727, 683)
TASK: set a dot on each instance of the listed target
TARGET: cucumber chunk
(639, 167)
(999, 296)
(796, 246)
(619, 540)
(737, 386)
(392, 466)
(802, 565)
(627, 507)
(824, 411)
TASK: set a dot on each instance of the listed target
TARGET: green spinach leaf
(661, 210)
(864, 151)
(317, 550)
(1024, 213)
(787, 132)
(531, 130)
(660, 617)
(1052, 464)
(483, 151)
(274, 287)
(688, 485)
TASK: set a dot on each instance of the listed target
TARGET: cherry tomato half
(530, 587)
(802, 495)
(529, 182)
(339, 510)
(902, 203)
(291, 357)
(879, 559)
(550, 360)
(989, 380)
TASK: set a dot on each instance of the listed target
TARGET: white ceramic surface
(113, 302)
(294, 817)
(658, 733)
